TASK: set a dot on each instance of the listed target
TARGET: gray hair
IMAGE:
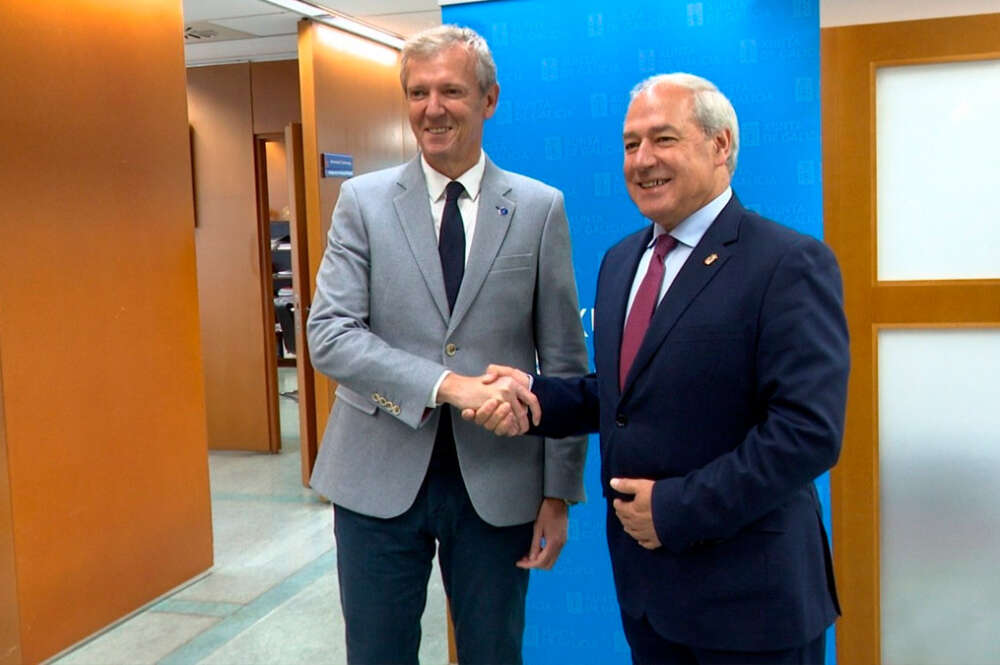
(712, 110)
(430, 42)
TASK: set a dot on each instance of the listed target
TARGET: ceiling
(219, 31)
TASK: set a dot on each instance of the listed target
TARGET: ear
(491, 97)
(723, 144)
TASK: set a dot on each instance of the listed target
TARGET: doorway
(284, 284)
(915, 565)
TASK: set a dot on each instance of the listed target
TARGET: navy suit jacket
(734, 405)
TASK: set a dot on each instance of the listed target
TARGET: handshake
(499, 400)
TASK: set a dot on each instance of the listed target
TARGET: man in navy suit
(721, 358)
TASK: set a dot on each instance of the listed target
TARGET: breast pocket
(511, 262)
(707, 363)
(706, 333)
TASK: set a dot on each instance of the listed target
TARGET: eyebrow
(656, 129)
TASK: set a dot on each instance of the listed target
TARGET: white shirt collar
(471, 179)
(690, 231)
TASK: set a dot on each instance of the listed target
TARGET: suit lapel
(413, 211)
(492, 222)
(695, 274)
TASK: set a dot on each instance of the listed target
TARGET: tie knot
(453, 190)
(664, 243)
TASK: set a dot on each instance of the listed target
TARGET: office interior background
(164, 213)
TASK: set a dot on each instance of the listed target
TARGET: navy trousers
(384, 564)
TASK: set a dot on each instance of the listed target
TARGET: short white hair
(712, 110)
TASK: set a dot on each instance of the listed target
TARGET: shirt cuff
(432, 403)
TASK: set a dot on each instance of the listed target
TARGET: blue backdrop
(565, 69)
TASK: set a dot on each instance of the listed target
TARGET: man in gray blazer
(433, 269)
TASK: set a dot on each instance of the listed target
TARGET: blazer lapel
(413, 211)
(695, 274)
(492, 222)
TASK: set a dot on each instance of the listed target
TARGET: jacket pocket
(356, 400)
(775, 521)
(506, 262)
(705, 333)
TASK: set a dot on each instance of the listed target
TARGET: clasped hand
(500, 400)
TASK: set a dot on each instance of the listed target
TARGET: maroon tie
(643, 306)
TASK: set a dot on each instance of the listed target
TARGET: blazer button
(451, 350)
(621, 420)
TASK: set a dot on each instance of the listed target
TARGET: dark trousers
(384, 564)
(651, 648)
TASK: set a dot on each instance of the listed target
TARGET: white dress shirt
(468, 206)
(468, 203)
(687, 234)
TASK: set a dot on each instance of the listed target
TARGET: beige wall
(277, 180)
(856, 12)
(105, 501)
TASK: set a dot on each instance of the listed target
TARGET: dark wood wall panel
(101, 361)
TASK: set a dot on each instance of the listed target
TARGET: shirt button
(451, 350)
(620, 420)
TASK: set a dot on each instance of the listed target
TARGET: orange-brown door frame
(850, 58)
(267, 288)
(309, 444)
(10, 615)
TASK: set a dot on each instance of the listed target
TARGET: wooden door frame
(308, 436)
(10, 608)
(850, 58)
(267, 286)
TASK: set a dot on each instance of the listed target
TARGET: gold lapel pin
(710, 259)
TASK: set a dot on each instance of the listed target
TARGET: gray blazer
(380, 326)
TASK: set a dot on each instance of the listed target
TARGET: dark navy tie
(451, 244)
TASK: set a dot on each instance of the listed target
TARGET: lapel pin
(501, 211)
(710, 259)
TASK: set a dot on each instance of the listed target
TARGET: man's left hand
(551, 529)
(637, 515)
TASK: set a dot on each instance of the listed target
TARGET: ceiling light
(362, 30)
(342, 21)
(359, 46)
(298, 7)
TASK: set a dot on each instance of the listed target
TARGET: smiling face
(447, 109)
(671, 167)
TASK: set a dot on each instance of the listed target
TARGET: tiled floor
(272, 596)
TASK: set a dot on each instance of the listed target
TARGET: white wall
(851, 12)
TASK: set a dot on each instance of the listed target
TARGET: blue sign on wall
(338, 165)
(565, 70)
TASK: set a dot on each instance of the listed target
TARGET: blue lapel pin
(501, 211)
